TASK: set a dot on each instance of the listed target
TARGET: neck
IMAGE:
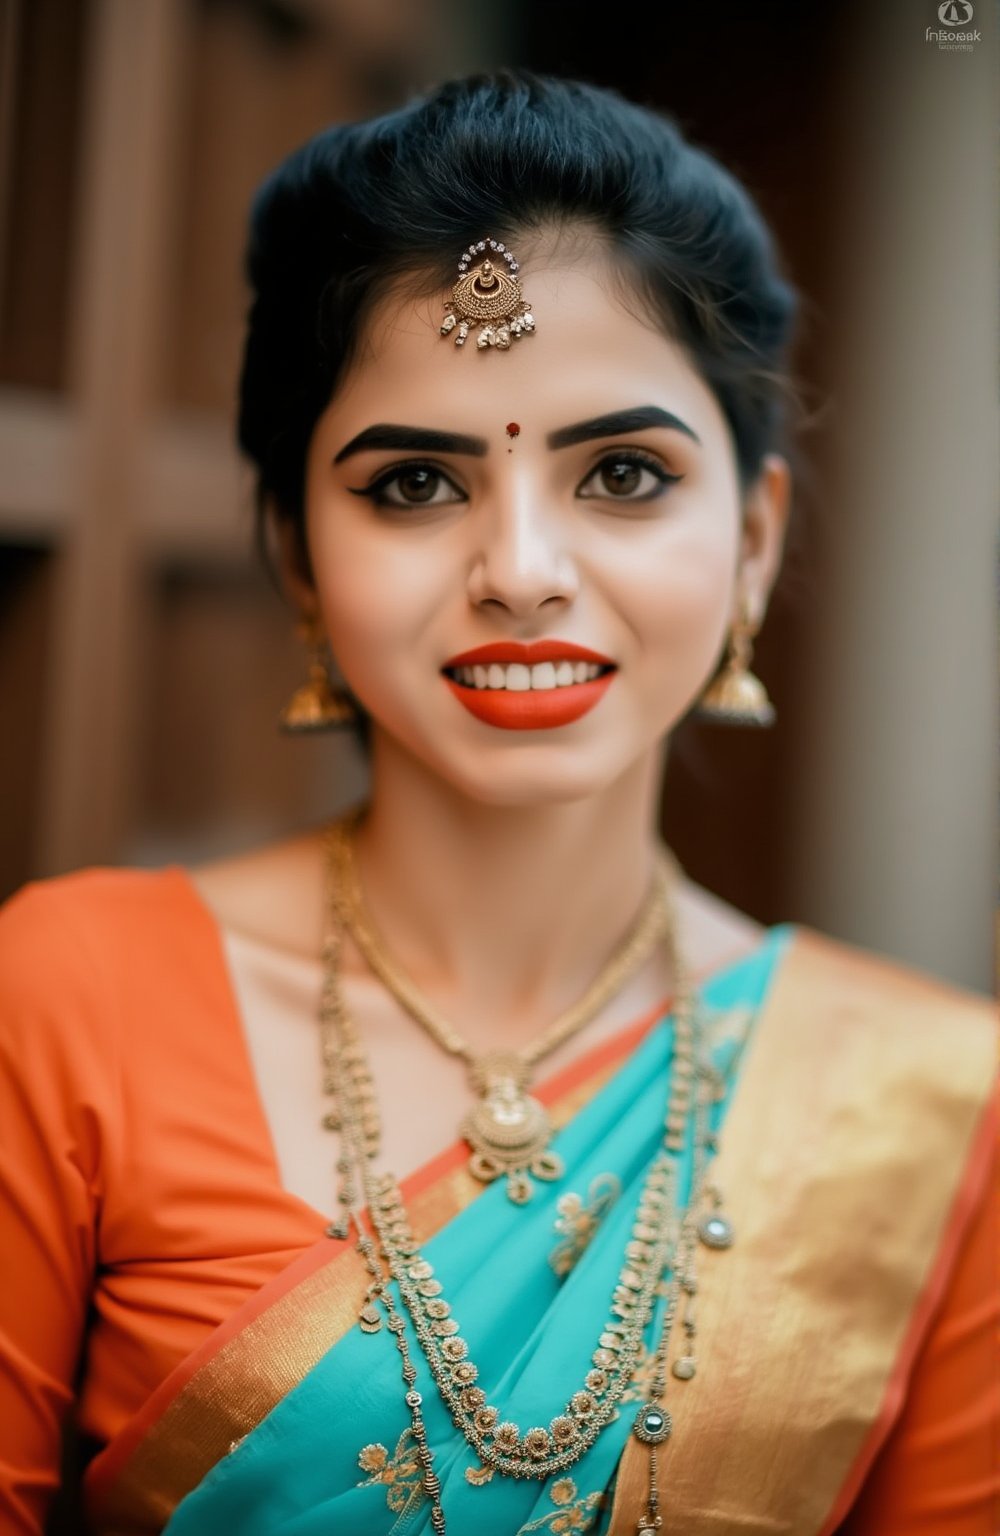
(503, 912)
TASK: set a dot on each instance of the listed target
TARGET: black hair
(362, 206)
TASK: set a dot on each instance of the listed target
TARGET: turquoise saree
(531, 1286)
(854, 1146)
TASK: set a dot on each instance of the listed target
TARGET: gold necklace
(663, 1238)
(508, 1130)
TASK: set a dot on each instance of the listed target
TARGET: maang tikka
(489, 297)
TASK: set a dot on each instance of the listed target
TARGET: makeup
(517, 686)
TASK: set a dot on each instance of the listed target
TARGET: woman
(655, 1253)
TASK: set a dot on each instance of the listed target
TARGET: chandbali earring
(736, 696)
(317, 705)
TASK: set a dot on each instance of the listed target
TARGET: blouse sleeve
(938, 1473)
(53, 1061)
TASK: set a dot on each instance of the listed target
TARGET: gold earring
(316, 706)
(736, 696)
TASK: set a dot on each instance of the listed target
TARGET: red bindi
(512, 429)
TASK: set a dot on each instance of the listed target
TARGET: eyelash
(636, 458)
(376, 490)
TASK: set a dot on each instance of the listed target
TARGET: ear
(291, 560)
(765, 522)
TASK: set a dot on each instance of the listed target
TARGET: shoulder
(859, 975)
(875, 1018)
(90, 908)
(72, 945)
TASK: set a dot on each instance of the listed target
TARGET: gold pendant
(509, 1131)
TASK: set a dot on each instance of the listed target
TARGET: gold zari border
(842, 1152)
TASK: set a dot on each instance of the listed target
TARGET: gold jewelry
(658, 1242)
(316, 706)
(488, 297)
(508, 1130)
(736, 696)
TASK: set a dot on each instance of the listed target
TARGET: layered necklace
(663, 1240)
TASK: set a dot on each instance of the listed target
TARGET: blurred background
(143, 656)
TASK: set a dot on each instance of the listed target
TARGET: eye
(627, 476)
(411, 485)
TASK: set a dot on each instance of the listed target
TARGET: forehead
(593, 351)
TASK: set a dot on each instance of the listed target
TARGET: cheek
(374, 598)
(676, 592)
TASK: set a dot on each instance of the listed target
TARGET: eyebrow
(617, 422)
(413, 439)
(430, 440)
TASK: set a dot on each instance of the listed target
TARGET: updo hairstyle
(364, 206)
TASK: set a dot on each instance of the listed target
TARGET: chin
(520, 768)
(517, 773)
(516, 791)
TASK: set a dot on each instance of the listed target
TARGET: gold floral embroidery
(401, 1472)
(577, 1221)
(572, 1513)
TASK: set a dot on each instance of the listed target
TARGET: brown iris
(620, 477)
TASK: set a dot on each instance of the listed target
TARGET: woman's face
(576, 491)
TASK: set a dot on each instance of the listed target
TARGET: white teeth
(518, 678)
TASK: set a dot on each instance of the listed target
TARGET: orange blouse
(140, 1204)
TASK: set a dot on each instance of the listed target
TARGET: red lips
(528, 652)
(530, 709)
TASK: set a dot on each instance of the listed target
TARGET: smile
(520, 687)
(517, 678)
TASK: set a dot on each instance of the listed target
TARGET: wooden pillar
(132, 98)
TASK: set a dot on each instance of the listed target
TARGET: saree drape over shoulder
(846, 1378)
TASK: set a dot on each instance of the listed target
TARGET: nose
(520, 561)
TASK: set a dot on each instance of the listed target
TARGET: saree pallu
(854, 1142)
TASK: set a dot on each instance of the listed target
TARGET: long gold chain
(662, 1238)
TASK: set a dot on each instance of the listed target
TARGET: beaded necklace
(663, 1240)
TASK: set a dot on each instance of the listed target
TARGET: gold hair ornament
(489, 297)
